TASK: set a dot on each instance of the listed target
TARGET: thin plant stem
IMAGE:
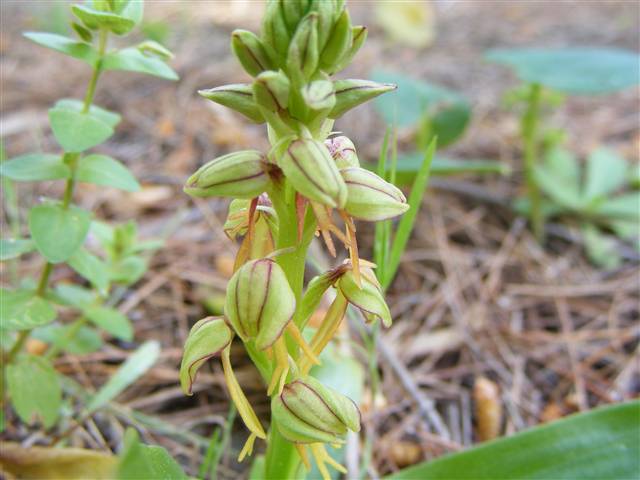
(529, 130)
(71, 159)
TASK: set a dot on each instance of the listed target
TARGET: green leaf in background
(76, 131)
(133, 10)
(92, 268)
(586, 71)
(105, 116)
(23, 310)
(601, 249)
(34, 388)
(14, 247)
(447, 111)
(58, 232)
(133, 60)
(83, 32)
(73, 295)
(602, 444)
(128, 270)
(559, 178)
(136, 365)
(111, 321)
(606, 173)
(66, 45)
(626, 206)
(140, 461)
(106, 171)
(96, 19)
(79, 341)
(35, 167)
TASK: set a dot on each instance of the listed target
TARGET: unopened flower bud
(308, 166)
(351, 93)
(238, 97)
(358, 37)
(260, 302)
(275, 33)
(207, 338)
(339, 42)
(367, 297)
(240, 174)
(326, 11)
(271, 90)
(308, 412)
(250, 52)
(293, 12)
(303, 55)
(343, 152)
(370, 197)
(318, 95)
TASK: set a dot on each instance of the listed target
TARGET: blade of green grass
(380, 244)
(407, 221)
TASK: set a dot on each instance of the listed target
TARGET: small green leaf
(58, 232)
(104, 170)
(35, 167)
(34, 388)
(95, 19)
(79, 341)
(151, 47)
(76, 131)
(133, 60)
(623, 207)
(581, 71)
(73, 295)
(128, 270)
(66, 45)
(133, 10)
(24, 310)
(601, 249)
(105, 116)
(112, 321)
(139, 461)
(84, 33)
(14, 247)
(606, 173)
(92, 268)
(559, 178)
(601, 444)
(136, 365)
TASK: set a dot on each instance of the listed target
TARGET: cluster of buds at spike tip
(309, 178)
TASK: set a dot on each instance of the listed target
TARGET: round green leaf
(92, 268)
(104, 170)
(24, 310)
(58, 232)
(572, 70)
(112, 321)
(76, 131)
(34, 388)
(35, 167)
(110, 118)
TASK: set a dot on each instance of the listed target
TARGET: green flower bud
(351, 93)
(239, 174)
(238, 97)
(308, 412)
(326, 10)
(250, 52)
(358, 36)
(260, 302)
(275, 33)
(368, 297)
(343, 151)
(339, 42)
(319, 95)
(271, 91)
(370, 197)
(293, 12)
(312, 172)
(303, 55)
(207, 338)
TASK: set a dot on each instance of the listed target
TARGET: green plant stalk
(529, 132)
(71, 159)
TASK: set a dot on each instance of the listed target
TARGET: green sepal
(250, 52)
(303, 54)
(271, 91)
(338, 44)
(351, 93)
(238, 97)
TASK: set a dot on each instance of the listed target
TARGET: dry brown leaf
(45, 463)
